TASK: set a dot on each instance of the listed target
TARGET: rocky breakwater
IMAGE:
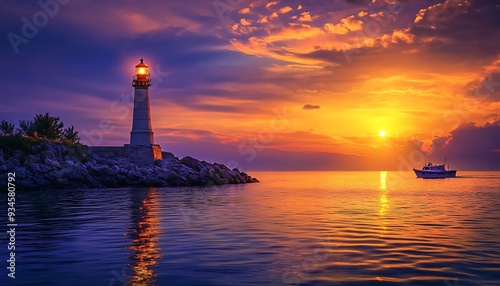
(48, 165)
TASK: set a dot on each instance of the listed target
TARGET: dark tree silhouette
(6, 128)
(71, 135)
(27, 128)
(48, 127)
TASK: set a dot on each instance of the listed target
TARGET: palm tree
(27, 128)
(48, 127)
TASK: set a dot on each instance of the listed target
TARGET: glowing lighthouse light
(141, 70)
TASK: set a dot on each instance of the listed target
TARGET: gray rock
(48, 154)
(208, 173)
(92, 182)
(75, 174)
(12, 163)
(111, 162)
(22, 173)
(39, 168)
(194, 180)
(100, 170)
(120, 179)
(154, 181)
(192, 163)
(56, 179)
(18, 155)
(52, 163)
(134, 176)
(31, 159)
(168, 158)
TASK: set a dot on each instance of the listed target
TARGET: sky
(267, 85)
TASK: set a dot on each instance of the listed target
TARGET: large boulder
(134, 176)
(22, 173)
(77, 174)
(208, 173)
(192, 163)
(32, 159)
(49, 158)
(153, 180)
(99, 170)
(57, 180)
(39, 168)
(49, 154)
(168, 158)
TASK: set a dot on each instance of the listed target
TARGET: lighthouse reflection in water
(144, 234)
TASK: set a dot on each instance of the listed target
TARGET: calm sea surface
(293, 228)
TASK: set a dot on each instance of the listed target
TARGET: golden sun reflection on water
(384, 202)
(144, 233)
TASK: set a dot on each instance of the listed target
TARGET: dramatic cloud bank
(268, 84)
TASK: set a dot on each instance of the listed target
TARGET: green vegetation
(17, 142)
(31, 132)
(70, 135)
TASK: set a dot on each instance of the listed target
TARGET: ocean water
(293, 228)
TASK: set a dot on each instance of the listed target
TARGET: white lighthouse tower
(142, 133)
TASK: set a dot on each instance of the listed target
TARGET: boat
(431, 171)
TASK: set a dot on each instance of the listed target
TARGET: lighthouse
(142, 132)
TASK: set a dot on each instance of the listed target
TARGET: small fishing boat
(431, 171)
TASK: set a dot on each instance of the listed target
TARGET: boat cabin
(433, 167)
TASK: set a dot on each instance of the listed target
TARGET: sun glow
(382, 133)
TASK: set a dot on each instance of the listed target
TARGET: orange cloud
(245, 22)
(346, 25)
(271, 3)
(245, 10)
(285, 9)
(305, 17)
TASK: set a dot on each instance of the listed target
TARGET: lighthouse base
(141, 137)
(139, 154)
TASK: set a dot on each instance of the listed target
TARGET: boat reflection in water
(144, 233)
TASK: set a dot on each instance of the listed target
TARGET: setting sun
(382, 133)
